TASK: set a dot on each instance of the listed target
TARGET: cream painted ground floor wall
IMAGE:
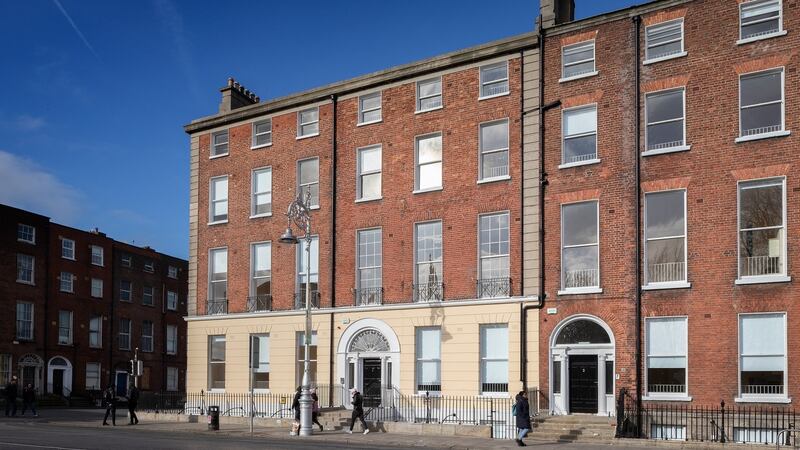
(385, 333)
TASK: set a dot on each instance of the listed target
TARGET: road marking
(39, 446)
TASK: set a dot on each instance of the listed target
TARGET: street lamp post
(299, 213)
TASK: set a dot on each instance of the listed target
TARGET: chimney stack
(556, 12)
(234, 96)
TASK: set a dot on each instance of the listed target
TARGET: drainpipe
(637, 26)
(114, 266)
(48, 245)
(334, 99)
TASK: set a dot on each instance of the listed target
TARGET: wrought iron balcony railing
(666, 388)
(217, 306)
(300, 300)
(581, 278)
(429, 292)
(261, 302)
(494, 287)
(666, 272)
(368, 296)
(752, 266)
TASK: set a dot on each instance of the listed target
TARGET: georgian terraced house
(658, 172)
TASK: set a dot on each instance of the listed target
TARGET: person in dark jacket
(315, 408)
(29, 399)
(110, 400)
(523, 412)
(133, 399)
(296, 404)
(11, 397)
(358, 411)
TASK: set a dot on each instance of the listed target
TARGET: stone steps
(573, 428)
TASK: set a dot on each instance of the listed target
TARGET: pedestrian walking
(11, 397)
(133, 399)
(315, 409)
(110, 401)
(29, 399)
(358, 411)
(523, 413)
(296, 407)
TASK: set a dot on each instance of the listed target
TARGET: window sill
(258, 216)
(429, 394)
(365, 200)
(68, 258)
(422, 191)
(218, 156)
(428, 110)
(665, 398)
(216, 391)
(96, 297)
(175, 353)
(758, 137)
(219, 222)
(256, 147)
(784, 400)
(29, 283)
(579, 163)
(662, 151)
(764, 279)
(578, 77)
(306, 136)
(660, 286)
(97, 265)
(493, 179)
(761, 38)
(494, 395)
(362, 124)
(577, 291)
(495, 95)
(65, 344)
(95, 347)
(313, 207)
(664, 58)
(26, 242)
(67, 292)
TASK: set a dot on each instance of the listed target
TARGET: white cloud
(26, 185)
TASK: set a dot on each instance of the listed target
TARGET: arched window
(583, 332)
(369, 341)
(58, 362)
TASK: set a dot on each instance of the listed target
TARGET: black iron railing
(429, 292)
(300, 300)
(494, 287)
(261, 302)
(368, 296)
(217, 306)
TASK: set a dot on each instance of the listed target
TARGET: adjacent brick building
(66, 338)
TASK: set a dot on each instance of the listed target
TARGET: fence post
(202, 403)
(722, 431)
(620, 413)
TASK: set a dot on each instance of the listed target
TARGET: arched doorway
(59, 376)
(582, 367)
(368, 357)
(30, 370)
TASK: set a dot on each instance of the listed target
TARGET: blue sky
(95, 93)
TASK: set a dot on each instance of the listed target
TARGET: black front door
(583, 384)
(371, 377)
(58, 381)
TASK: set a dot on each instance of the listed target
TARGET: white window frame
(172, 340)
(418, 359)
(301, 186)
(647, 46)
(172, 272)
(211, 200)
(95, 386)
(664, 395)
(256, 135)
(763, 398)
(25, 229)
(675, 148)
(417, 263)
(127, 334)
(253, 277)
(99, 256)
(564, 137)
(149, 266)
(648, 285)
(68, 249)
(780, 32)
(129, 291)
(31, 320)
(172, 300)
(482, 84)
(254, 193)
(20, 258)
(126, 260)
(209, 362)
(66, 277)
(301, 124)
(770, 278)
(483, 359)
(172, 379)
(591, 73)
(420, 98)
(69, 328)
(359, 267)
(417, 164)
(97, 287)
(360, 173)
(151, 295)
(99, 332)
(145, 337)
(783, 131)
(481, 258)
(362, 110)
(586, 289)
(482, 178)
(313, 370)
(211, 281)
(253, 338)
(300, 261)
(213, 145)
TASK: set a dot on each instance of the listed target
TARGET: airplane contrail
(75, 27)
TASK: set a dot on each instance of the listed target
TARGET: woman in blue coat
(523, 412)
